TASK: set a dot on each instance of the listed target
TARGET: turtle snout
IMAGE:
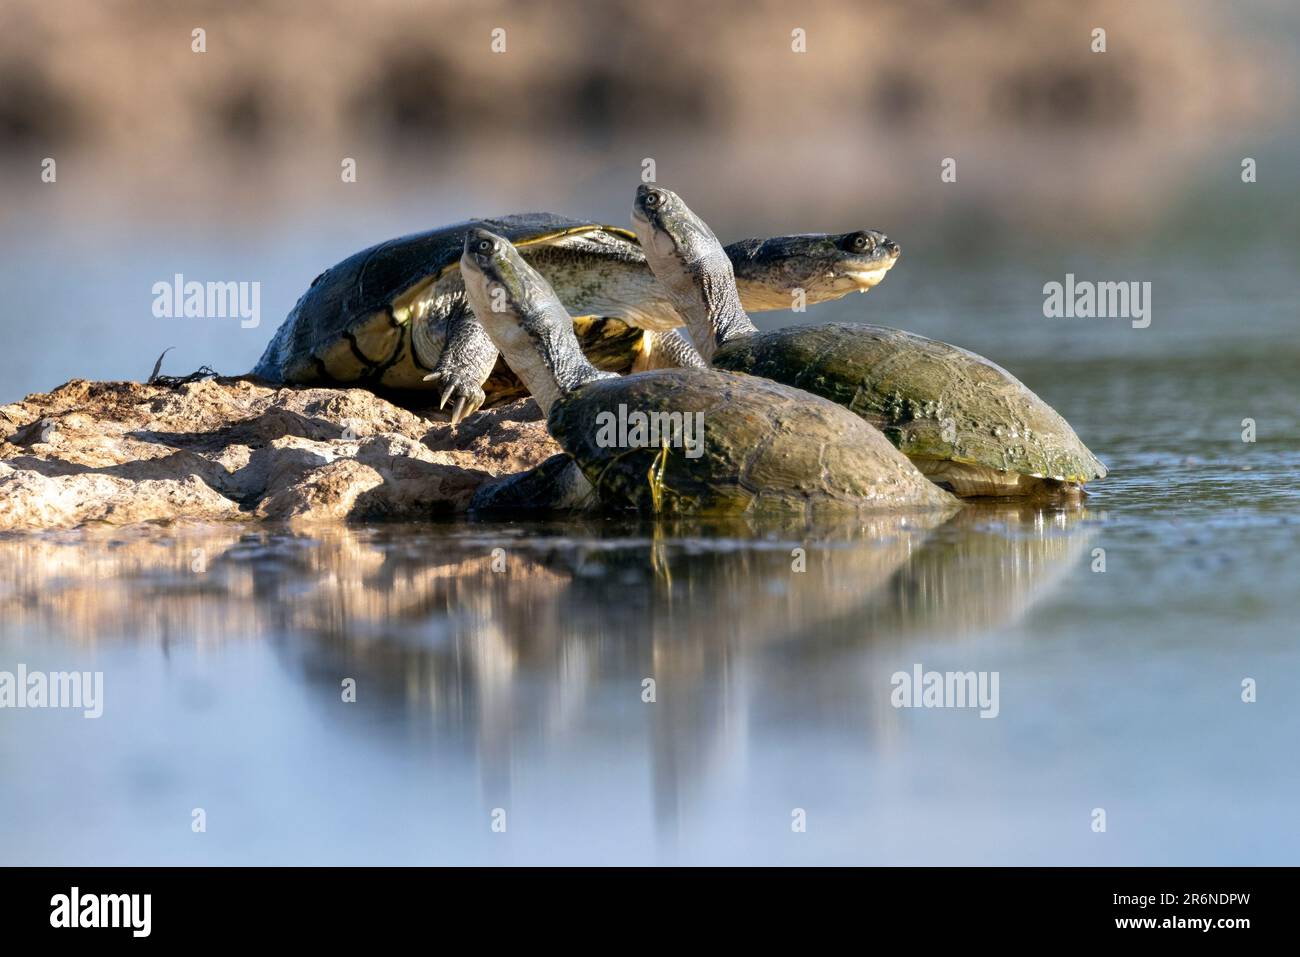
(891, 247)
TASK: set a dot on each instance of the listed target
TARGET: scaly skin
(672, 349)
(464, 365)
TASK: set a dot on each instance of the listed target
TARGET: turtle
(727, 444)
(966, 422)
(393, 317)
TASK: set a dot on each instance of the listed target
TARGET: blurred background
(226, 164)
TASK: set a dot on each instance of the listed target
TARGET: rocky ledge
(231, 449)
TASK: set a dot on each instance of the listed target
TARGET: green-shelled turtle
(964, 421)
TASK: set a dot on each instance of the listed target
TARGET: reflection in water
(382, 591)
(983, 570)
(501, 640)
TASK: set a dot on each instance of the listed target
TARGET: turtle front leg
(667, 349)
(465, 363)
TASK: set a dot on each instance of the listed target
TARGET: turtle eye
(485, 245)
(863, 243)
(653, 198)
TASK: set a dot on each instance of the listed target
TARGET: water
(223, 649)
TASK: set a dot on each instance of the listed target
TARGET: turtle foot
(466, 396)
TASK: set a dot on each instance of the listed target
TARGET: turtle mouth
(471, 264)
(863, 278)
(654, 237)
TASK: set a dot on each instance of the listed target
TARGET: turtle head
(669, 232)
(523, 317)
(691, 265)
(825, 266)
(495, 274)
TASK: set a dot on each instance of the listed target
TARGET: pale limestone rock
(223, 449)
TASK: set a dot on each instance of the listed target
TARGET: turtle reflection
(498, 639)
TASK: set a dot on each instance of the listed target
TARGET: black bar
(335, 905)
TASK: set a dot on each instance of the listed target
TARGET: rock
(231, 449)
(29, 499)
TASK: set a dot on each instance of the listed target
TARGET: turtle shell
(934, 401)
(755, 446)
(354, 323)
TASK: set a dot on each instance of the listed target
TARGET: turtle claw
(466, 406)
(436, 378)
(458, 410)
(469, 396)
